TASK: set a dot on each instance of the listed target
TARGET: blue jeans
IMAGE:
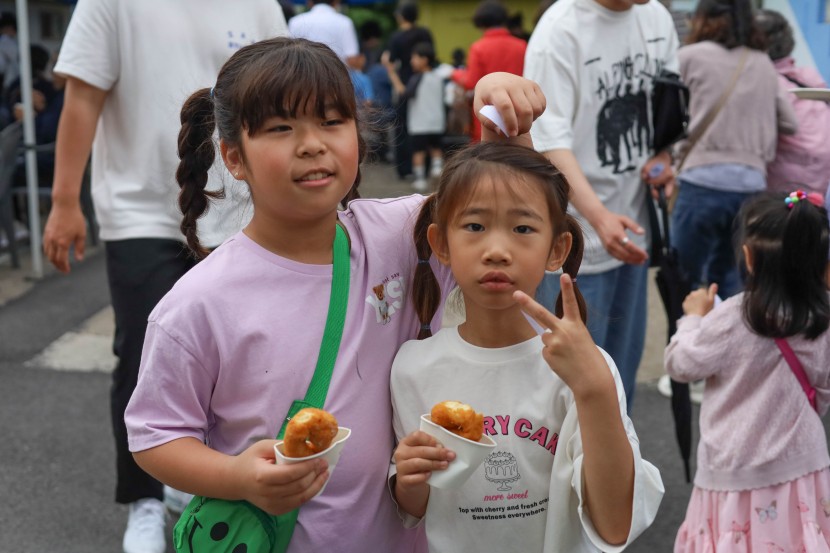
(616, 301)
(702, 226)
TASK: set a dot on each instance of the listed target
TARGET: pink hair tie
(815, 199)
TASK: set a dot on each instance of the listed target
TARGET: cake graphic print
(502, 468)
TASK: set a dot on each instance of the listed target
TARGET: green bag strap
(318, 388)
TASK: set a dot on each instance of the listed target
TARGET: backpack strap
(798, 370)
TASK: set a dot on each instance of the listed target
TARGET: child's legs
(419, 154)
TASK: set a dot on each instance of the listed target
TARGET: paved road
(57, 459)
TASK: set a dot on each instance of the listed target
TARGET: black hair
(425, 50)
(730, 23)
(408, 12)
(779, 34)
(8, 19)
(40, 58)
(786, 291)
(464, 170)
(283, 77)
(489, 14)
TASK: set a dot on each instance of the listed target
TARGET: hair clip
(794, 198)
(423, 262)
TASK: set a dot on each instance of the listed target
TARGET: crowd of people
(223, 188)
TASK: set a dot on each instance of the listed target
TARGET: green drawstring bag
(210, 525)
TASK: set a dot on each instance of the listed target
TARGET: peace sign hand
(569, 349)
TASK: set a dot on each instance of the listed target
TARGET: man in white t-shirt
(130, 66)
(595, 61)
(323, 23)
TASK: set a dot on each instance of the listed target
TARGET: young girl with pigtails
(763, 470)
(234, 343)
(566, 473)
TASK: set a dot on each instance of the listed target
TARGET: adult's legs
(140, 273)
(403, 152)
(702, 227)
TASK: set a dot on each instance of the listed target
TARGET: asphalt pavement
(57, 458)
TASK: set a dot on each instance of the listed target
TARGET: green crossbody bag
(211, 525)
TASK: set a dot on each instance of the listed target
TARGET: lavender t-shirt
(236, 341)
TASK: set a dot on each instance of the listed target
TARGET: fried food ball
(459, 418)
(310, 431)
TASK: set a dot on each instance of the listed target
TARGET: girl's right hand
(416, 456)
(277, 489)
(519, 101)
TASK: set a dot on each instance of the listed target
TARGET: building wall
(47, 22)
(452, 26)
(813, 17)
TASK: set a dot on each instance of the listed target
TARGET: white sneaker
(420, 185)
(146, 526)
(176, 501)
(436, 171)
(695, 389)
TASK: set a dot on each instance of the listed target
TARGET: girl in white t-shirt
(566, 474)
(235, 342)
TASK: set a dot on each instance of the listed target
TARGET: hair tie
(573, 280)
(794, 198)
(815, 199)
(425, 327)
(423, 262)
(211, 93)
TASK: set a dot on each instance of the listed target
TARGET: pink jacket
(803, 159)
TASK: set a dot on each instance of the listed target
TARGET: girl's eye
(524, 229)
(332, 122)
(279, 128)
(474, 227)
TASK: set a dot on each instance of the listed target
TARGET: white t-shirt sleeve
(90, 50)
(567, 480)
(551, 66)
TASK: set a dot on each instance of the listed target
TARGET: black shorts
(423, 142)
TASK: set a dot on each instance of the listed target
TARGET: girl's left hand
(518, 100)
(569, 349)
(700, 301)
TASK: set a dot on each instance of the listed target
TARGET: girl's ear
(232, 156)
(438, 244)
(559, 252)
(748, 259)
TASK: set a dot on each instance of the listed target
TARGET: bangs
(295, 82)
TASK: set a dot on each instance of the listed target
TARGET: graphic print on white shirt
(387, 297)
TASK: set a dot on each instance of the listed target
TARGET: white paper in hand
(491, 113)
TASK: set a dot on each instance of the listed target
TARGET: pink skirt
(793, 517)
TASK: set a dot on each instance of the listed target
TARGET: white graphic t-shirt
(596, 68)
(526, 495)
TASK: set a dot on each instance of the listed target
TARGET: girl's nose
(497, 250)
(311, 144)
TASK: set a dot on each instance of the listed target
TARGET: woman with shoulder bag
(737, 110)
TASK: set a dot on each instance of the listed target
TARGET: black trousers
(140, 272)
(403, 150)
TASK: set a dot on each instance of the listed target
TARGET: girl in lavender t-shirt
(235, 341)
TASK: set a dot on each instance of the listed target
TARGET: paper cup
(331, 455)
(468, 455)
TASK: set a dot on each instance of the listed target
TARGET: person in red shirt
(496, 50)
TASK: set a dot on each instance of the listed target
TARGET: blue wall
(812, 17)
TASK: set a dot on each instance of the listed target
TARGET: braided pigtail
(571, 266)
(196, 155)
(426, 292)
